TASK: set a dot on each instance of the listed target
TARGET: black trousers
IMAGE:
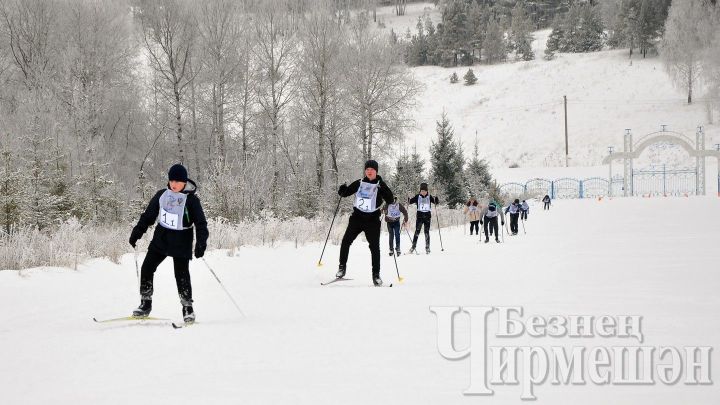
(422, 221)
(514, 222)
(182, 276)
(492, 224)
(371, 227)
(476, 226)
(546, 206)
(523, 215)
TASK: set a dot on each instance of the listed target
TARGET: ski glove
(133, 239)
(200, 250)
(343, 189)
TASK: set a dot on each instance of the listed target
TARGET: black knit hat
(372, 164)
(178, 172)
(423, 186)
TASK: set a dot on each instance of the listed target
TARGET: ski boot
(341, 271)
(188, 314)
(412, 250)
(143, 311)
(427, 250)
(497, 240)
(377, 281)
(397, 252)
(391, 252)
(487, 239)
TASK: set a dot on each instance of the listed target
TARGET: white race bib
(168, 219)
(172, 208)
(423, 203)
(394, 211)
(366, 197)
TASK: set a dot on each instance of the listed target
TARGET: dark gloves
(342, 190)
(502, 223)
(134, 237)
(200, 250)
(481, 222)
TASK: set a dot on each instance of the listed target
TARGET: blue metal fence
(654, 181)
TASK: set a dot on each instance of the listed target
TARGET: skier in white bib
(176, 210)
(370, 192)
(392, 218)
(514, 210)
(424, 202)
(524, 210)
(490, 221)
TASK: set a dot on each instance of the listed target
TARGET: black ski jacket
(172, 242)
(384, 194)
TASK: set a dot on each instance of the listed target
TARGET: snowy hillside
(349, 343)
(517, 111)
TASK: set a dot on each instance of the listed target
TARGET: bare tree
(681, 48)
(168, 33)
(220, 28)
(322, 41)
(277, 54)
(382, 89)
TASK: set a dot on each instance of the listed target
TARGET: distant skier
(473, 215)
(424, 202)
(176, 210)
(524, 210)
(546, 202)
(514, 210)
(490, 221)
(370, 192)
(392, 218)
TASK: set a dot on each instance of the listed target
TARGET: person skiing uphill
(514, 210)
(473, 215)
(424, 202)
(546, 202)
(489, 220)
(524, 210)
(176, 210)
(392, 219)
(370, 192)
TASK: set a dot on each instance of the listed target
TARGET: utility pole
(610, 152)
(567, 157)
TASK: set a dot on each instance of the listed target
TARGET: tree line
(270, 104)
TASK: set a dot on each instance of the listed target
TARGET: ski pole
(223, 287)
(408, 233)
(502, 232)
(437, 217)
(400, 279)
(319, 264)
(137, 272)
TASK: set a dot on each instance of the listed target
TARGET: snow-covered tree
(682, 47)
(470, 78)
(447, 164)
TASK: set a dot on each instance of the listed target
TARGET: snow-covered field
(350, 343)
